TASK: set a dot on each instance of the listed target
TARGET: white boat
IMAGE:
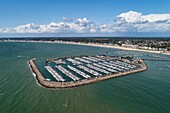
(48, 79)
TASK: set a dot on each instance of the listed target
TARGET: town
(155, 44)
(146, 43)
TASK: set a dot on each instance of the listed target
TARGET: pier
(67, 73)
(156, 59)
(55, 74)
(102, 68)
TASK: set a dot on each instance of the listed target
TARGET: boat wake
(20, 56)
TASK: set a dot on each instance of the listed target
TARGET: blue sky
(34, 13)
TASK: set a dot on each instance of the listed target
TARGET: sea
(143, 92)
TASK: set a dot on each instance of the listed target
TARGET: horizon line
(89, 37)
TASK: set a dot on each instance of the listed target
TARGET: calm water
(145, 92)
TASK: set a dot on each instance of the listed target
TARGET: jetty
(54, 74)
(156, 59)
(91, 69)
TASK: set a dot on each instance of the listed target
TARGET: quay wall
(50, 84)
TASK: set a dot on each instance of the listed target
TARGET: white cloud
(66, 19)
(6, 30)
(137, 22)
(128, 22)
(28, 28)
(134, 17)
(130, 17)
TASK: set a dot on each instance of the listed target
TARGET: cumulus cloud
(129, 22)
(137, 22)
(28, 28)
(81, 25)
(136, 17)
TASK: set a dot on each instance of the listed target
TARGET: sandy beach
(111, 46)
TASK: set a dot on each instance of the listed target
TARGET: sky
(69, 18)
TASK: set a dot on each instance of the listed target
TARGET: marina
(55, 74)
(80, 70)
(67, 73)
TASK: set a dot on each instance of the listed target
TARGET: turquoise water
(145, 92)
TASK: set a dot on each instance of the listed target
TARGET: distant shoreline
(111, 46)
(94, 45)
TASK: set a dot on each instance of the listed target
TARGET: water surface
(145, 92)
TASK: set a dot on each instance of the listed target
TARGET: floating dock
(83, 70)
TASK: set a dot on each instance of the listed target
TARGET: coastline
(94, 45)
(58, 85)
(111, 46)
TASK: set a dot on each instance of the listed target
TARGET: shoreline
(58, 85)
(111, 46)
(94, 45)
